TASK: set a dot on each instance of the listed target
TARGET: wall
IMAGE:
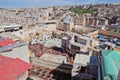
(23, 76)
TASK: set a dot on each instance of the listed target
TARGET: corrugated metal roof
(110, 64)
(8, 47)
(6, 42)
(11, 68)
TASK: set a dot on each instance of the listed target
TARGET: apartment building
(76, 43)
(91, 21)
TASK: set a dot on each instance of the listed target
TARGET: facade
(63, 26)
(79, 43)
(65, 42)
(85, 67)
(90, 21)
(109, 45)
(76, 43)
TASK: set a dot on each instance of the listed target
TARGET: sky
(42, 3)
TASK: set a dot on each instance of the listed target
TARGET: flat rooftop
(10, 25)
(52, 42)
(53, 58)
(76, 44)
(110, 44)
(82, 59)
(9, 47)
(41, 73)
(8, 35)
(85, 37)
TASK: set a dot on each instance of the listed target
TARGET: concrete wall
(65, 43)
(23, 76)
(51, 65)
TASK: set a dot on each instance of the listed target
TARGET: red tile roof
(10, 68)
(6, 42)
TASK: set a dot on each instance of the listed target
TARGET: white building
(10, 27)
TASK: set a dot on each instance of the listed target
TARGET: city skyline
(59, 40)
(45, 3)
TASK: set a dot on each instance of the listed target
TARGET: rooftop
(10, 47)
(6, 42)
(52, 42)
(8, 35)
(53, 58)
(9, 68)
(85, 37)
(82, 59)
(117, 49)
(110, 64)
(76, 44)
(10, 25)
(39, 50)
(110, 44)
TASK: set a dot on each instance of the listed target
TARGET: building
(75, 43)
(109, 45)
(88, 20)
(14, 49)
(85, 67)
(10, 27)
(41, 30)
(63, 26)
(13, 69)
(51, 42)
(79, 43)
(65, 42)
(110, 63)
(10, 36)
(53, 58)
(78, 21)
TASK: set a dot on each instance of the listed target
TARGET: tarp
(110, 64)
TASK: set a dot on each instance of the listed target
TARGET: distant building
(53, 58)
(63, 26)
(110, 63)
(88, 20)
(13, 69)
(78, 21)
(113, 20)
(10, 27)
